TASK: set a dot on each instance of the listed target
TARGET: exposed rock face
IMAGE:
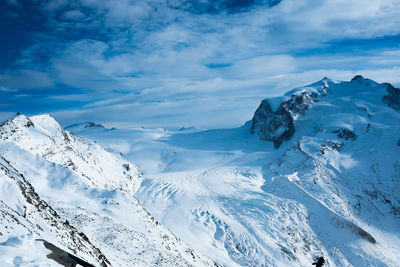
(299, 104)
(345, 134)
(358, 78)
(273, 126)
(392, 99)
(278, 126)
(91, 124)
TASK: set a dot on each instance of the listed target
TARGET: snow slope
(44, 137)
(330, 189)
(78, 196)
(24, 211)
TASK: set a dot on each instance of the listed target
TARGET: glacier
(316, 172)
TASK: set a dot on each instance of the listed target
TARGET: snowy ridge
(83, 213)
(23, 211)
(88, 125)
(43, 136)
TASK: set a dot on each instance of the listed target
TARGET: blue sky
(179, 63)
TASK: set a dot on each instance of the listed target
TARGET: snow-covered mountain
(77, 196)
(44, 137)
(314, 173)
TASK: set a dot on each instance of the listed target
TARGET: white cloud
(206, 69)
(54, 5)
(330, 19)
(26, 79)
(74, 15)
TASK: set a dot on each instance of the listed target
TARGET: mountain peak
(86, 125)
(326, 81)
(46, 121)
(362, 80)
(274, 120)
(19, 120)
(358, 78)
(43, 136)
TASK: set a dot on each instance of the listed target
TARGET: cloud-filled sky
(173, 63)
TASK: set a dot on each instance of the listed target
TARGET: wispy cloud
(26, 79)
(176, 61)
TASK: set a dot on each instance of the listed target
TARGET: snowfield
(77, 196)
(315, 173)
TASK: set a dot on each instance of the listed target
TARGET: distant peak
(325, 81)
(87, 125)
(45, 118)
(92, 124)
(358, 78)
(362, 81)
(46, 121)
(18, 116)
(19, 120)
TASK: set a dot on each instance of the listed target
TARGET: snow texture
(330, 189)
(24, 251)
(251, 196)
(78, 196)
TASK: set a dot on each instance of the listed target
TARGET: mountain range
(315, 172)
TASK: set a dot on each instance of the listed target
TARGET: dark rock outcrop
(278, 126)
(338, 146)
(29, 124)
(345, 134)
(272, 126)
(91, 124)
(358, 78)
(392, 99)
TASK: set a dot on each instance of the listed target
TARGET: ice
(223, 192)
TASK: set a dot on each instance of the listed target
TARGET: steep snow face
(98, 221)
(42, 136)
(23, 211)
(342, 166)
(329, 190)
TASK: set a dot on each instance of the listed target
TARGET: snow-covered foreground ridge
(77, 196)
